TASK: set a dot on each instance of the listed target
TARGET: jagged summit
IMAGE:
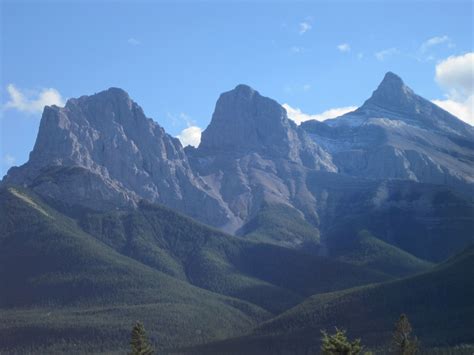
(246, 122)
(102, 148)
(110, 94)
(244, 119)
(392, 93)
(397, 134)
(394, 100)
(392, 79)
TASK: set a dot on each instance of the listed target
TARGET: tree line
(403, 342)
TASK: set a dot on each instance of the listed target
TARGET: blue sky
(174, 59)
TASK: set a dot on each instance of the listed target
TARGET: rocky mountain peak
(112, 96)
(392, 93)
(106, 138)
(391, 80)
(244, 91)
(394, 100)
(244, 120)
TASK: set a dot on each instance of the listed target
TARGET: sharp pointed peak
(391, 77)
(391, 93)
(392, 82)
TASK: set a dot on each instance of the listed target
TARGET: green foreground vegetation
(76, 284)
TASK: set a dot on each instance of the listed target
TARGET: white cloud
(133, 41)
(33, 103)
(434, 41)
(461, 109)
(306, 87)
(190, 136)
(305, 27)
(456, 75)
(383, 54)
(344, 47)
(9, 160)
(180, 119)
(298, 116)
(360, 55)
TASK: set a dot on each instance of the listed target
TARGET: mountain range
(112, 219)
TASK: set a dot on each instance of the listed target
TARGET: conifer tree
(338, 344)
(139, 341)
(403, 342)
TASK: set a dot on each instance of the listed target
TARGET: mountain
(438, 304)
(254, 156)
(431, 222)
(101, 152)
(258, 175)
(92, 236)
(397, 134)
(72, 279)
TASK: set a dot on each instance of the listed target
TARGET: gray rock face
(397, 134)
(251, 154)
(122, 154)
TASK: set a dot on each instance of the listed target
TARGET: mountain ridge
(397, 134)
(101, 151)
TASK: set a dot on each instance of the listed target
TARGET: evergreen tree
(139, 342)
(403, 342)
(338, 344)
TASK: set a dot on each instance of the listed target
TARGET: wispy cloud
(306, 87)
(435, 41)
(298, 116)
(385, 53)
(133, 41)
(305, 26)
(180, 119)
(32, 101)
(8, 160)
(344, 47)
(456, 75)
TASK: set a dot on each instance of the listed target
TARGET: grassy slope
(438, 304)
(63, 283)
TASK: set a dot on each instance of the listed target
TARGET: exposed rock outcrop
(123, 155)
(397, 134)
(251, 154)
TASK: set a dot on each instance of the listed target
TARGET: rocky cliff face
(244, 122)
(119, 156)
(397, 134)
(251, 154)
